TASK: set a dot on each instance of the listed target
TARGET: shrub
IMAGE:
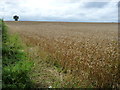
(16, 65)
(16, 76)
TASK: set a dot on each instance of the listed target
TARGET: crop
(87, 52)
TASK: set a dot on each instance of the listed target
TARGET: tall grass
(16, 64)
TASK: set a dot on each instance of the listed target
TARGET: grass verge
(16, 64)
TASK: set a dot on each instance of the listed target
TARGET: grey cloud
(118, 4)
(95, 4)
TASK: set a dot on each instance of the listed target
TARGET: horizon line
(62, 21)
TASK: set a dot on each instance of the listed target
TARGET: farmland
(71, 54)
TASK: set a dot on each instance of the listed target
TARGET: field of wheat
(86, 52)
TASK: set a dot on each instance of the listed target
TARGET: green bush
(12, 51)
(16, 64)
(4, 31)
(16, 76)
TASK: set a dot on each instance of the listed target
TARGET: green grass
(15, 62)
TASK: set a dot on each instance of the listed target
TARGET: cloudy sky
(60, 10)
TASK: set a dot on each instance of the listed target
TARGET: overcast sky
(60, 10)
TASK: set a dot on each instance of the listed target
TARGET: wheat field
(86, 53)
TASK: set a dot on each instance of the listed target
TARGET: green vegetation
(16, 64)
